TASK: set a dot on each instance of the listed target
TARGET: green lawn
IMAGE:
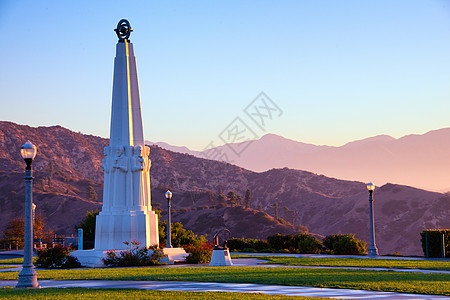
(334, 278)
(79, 293)
(354, 262)
(13, 261)
(5, 267)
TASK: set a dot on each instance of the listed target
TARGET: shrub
(199, 253)
(308, 244)
(245, 244)
(279, 241)
(301, 243)
(344, 244)
(180, 237)
(432, 238)
(56, 257)
(134, 256)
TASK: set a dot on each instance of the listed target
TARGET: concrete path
(228, 287)
(254, 262)
(339, 256)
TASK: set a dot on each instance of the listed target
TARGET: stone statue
(137, 168)
(106, 166)
(120, 168)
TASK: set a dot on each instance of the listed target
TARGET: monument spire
(126, 117)
(126, 212)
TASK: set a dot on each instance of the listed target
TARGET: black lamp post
(169, 240)
(28, 276)
(373, 251)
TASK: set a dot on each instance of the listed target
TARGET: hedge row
(301, 243)
(433, 239)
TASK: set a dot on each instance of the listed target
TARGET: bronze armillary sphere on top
(123, 30)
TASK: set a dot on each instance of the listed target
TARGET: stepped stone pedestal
(174, 255)
(126, 212)
(221, 258)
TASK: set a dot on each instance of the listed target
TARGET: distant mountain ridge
(416, 160)
(324, 205)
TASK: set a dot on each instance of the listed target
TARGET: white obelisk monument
(126, 212)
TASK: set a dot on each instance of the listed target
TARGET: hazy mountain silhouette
(416, 160)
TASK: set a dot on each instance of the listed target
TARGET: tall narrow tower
(126, 212)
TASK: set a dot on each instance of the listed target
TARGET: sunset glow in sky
(338, 70)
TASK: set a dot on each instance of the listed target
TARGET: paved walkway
(340, 256)
(227, 287)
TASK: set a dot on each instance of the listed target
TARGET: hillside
(324, 205)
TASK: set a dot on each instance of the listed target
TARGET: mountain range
(415, 160)
(68, 163)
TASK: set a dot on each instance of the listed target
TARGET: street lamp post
(169, 240)
(28, 276)
(373, 251)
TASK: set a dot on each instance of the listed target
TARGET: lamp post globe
(169, 239)
(28, 276)
(373, 251)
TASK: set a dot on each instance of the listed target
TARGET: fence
(40, 241)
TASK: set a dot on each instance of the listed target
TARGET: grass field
(354, 262)
(78, 293)
(438, 284)
(13, 261)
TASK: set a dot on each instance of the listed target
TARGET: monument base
(90, 258)
(221, 258)
(114, 228)
(174, 255)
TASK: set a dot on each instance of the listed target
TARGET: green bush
(344, 244)
(308, 244)
(180, 237)
(435, 242)
(56, 258)
(298, 243)
(134, 256)
(243, 244)
(199, 253)
(279, 241)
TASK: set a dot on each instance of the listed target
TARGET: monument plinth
(126, 212)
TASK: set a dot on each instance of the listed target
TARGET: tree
(14, 230)
(91, 194)
(88, 226)
(248, 197)
(275, 206)
(221, 198)
(231, 198)
(211, 196)
(293, 216)
(238, 200)
(179, 236)
(285, 211)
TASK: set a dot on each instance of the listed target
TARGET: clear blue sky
(339, 70)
